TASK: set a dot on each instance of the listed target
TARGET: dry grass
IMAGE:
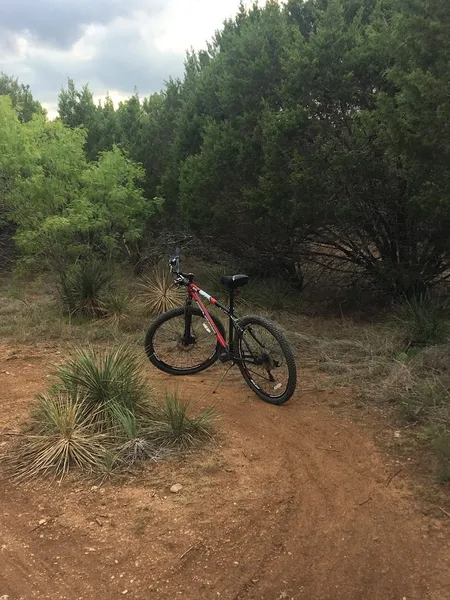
(158, 293)
(376, 362)
(348, 352)
(63, 438)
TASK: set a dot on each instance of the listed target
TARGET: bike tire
(170, 368)
(286, 351)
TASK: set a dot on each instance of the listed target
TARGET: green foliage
(311, 129)
(21, 98)
(77, 109)
(105, 380)
(63, 206)
(322, 127)
(133, 442)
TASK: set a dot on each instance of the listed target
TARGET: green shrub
(81, 287)
(132, 441)
(104, 380)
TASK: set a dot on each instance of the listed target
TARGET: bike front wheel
(266, 360)
(182, 342)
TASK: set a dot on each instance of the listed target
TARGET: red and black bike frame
(195, 293)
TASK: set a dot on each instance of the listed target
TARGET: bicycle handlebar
(174, 261)
(174, 264)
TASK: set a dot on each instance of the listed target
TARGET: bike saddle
(233, 282)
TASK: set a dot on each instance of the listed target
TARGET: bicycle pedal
(225, 357)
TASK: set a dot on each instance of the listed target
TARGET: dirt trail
(291, 503)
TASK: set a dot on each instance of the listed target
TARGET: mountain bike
(188, 340)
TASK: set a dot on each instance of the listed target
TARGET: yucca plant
(116, 307)
(81, 287)
(171, 425)
(104, 379)
(425, 319)
(158, 293)
(133, 445)
(64, 437)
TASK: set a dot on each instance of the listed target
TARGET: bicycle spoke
(264, 361)
(169, 345)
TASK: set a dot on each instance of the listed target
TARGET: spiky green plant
(64, 438)
(105, 379)
(116, 307)
(133, 445)
(81, 287)
(171, 425)
(425, 319)
(158, 293)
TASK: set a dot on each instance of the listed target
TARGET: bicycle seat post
(231, 334)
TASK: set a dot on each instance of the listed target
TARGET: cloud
(60, 22)
(114, 45)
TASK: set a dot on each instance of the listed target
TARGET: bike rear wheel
(265, 359)
(182, 342)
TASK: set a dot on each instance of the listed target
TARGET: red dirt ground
(290, 503)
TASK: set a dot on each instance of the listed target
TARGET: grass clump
(100, 415)
(158, 293)
(64, 437)
(116, 308)
(133, 443)
(81, 287)
(419, 385)
(424, 318)
(105, 380)
(171, 425)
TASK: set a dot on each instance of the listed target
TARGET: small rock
(176, 488)
(42, 521)
(4, 597)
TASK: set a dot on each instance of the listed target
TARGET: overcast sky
(114, 45)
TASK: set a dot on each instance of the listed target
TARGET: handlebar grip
(174, 260)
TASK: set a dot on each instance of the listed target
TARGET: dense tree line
(317, 130)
